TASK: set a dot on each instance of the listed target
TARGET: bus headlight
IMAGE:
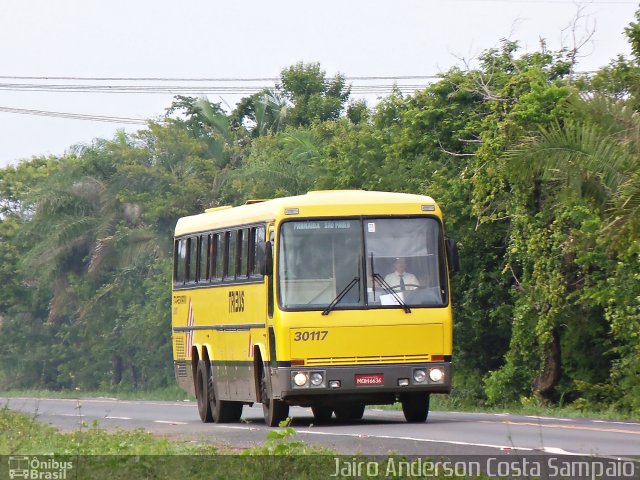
(436, 374)
(316, 379)
(300, 379)
(419, 376)
(308, 379)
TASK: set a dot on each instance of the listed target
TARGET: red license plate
(369, 379)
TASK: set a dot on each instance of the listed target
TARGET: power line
(367, 89)
(242, 89)
(202, 79)
(110, 85)
(201, 90)
(75, 116)
(365, 85)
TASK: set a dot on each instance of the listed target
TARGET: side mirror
(453, 258)
(265, 258)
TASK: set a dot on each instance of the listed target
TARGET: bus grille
(181, 369)
(368, 360)
(178, 347)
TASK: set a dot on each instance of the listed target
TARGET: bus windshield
(361, 263)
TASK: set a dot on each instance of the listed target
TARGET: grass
(173, 393)
(22, 434)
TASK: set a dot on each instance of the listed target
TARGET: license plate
(369, 379)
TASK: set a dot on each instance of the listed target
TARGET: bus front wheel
(274, 410)
(415, 407)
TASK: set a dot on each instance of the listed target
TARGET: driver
(400, 279)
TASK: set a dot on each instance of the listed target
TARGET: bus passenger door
(270, 295)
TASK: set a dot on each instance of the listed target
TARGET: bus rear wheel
(350, 412)
(415, 407)
(222, 411)
(202, 392)
(274, 410)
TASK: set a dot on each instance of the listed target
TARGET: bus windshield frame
(362, 263)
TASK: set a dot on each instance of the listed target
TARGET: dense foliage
(535, 168)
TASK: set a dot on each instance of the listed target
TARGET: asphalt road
(379, 433)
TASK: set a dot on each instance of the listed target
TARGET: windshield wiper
(340, 295)
(388, 288)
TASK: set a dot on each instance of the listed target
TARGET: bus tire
(415, 407)
(321, 413)
(275, 411)
(222, 411)
(202, 392)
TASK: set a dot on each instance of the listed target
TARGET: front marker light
(419, 376)
(300, 379)
(436, 374)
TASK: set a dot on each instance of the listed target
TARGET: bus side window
(220, 253)
(180, 261)
(192, 260)
(243, 253)
(256, 251)
(230, 264)
(212, 256)
(203, 269)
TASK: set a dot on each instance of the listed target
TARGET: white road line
(390, 437)
(560, 451)
(118, 418)
(426, 440)
(555, 419)
(618, 423)
(170, 422)
(177, 403)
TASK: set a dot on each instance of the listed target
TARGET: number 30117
(310, 336)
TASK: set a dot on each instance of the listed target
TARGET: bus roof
(323, 203)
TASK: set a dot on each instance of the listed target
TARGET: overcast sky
(214, 39)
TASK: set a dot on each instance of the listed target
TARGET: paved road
(380, 431)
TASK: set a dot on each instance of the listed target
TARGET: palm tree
(85, 243)
(270, 111)
(595, 153)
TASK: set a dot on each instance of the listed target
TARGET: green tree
(313, 96)
(587, 170)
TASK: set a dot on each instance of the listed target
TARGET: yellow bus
(331, 300)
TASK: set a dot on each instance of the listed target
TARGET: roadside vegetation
(170, 393)
(535, 166)
(24, 434)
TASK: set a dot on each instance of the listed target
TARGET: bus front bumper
(361, 381)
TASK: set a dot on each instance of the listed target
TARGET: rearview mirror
(453, 259)
(265, 258)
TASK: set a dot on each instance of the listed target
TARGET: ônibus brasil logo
(38, 468)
